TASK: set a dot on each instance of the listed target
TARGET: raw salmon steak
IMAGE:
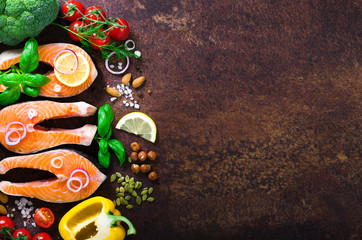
(76, 177)
(19, 132)
(47, 53)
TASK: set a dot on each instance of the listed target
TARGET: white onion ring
(10, 141)
(76, 61)
(32, 113)
(126, 44)
(74, 179)
(53, 162)
(110, 70)
(16, 122)
(81, 171)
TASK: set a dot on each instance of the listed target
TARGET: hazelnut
(152, 176)
(134, 156)
(142, 156)
(145, 168)
(135, 146)
(151, 155)
(135, 168)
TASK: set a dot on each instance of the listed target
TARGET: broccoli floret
(20, 19)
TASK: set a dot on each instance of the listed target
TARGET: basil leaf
(35, 80)
(10, 79)
(118, 149)
(31, 91)
(29, 59)
(108, 134)
(105, 119)
(10, 95)
(104, 156)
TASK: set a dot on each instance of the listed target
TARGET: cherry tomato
(42, 236)
(22, 231)
(119, 33)
(72, 10)
(95, 13)
(6, 222)
(44, 217)
(96, 39)
(74, 28)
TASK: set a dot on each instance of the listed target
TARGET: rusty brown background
(258, 109)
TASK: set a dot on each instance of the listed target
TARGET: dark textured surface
(257, 105)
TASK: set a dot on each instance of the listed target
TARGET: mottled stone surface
(258, 109)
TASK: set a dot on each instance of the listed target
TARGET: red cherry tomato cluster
(92, 25)
(43, 218)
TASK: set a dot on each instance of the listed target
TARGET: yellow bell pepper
(94, 219)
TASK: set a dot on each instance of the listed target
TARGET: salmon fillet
(53, 190)
(37, 138)
(47, 53)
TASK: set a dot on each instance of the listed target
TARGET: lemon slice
(65, 63)
(140, 124)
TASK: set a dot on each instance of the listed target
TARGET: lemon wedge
(140, 124)
(65, 63)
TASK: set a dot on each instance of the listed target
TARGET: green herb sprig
(105, 119)
(20, 78)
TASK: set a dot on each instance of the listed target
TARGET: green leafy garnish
(105, 119)
(17, 78)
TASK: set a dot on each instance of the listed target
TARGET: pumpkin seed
(127, 178)
(129, 159)
(131, 180)
(127, 197)
(144, 192)
(119, 180)
(123, 183)
(126, 188)
(121, 189)
(118, 201)
(118, 174)
(125, 202)
(130, 189)
(150, 190)
(150, 199)
(140, 185)
(120, 195)
(138, 200)
(117, 190)
(134, 193)
(113, 177)
(144, 197)
(129, 206)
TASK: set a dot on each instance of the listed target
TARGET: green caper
(138, 200)
(127, 197)
(150, 199)
(118, 174)
(150, 190)
(129, 206)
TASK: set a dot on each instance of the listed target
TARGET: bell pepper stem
(116, 218)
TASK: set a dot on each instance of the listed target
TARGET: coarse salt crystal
(131, 98)
(113, 99)
(131, 104)
(122, 85)
(127, 104)
(34, 225)
(111, 66)
(137, 106)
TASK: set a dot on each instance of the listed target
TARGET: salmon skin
(47, 53)
(34, 138)
(65, 165)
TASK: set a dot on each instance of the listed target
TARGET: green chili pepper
(10, 95)
(35, 80)
(105, 118)
(104, 155)
(31, 91)
(118, 149)
(29, 59)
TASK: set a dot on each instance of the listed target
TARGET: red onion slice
(76, 61)
(12, 141)
(70, 180)
(54, 164)
(114, 72)
(16, 122)
(81, 171)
